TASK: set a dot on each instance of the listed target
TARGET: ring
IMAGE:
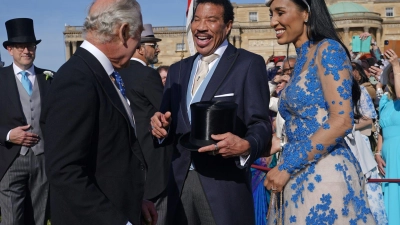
(152, 127)
(216, 147)
(213, 152)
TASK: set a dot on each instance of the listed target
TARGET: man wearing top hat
(212, 184)
(23, 185)
(144, 89)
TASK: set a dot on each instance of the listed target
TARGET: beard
(152, 60)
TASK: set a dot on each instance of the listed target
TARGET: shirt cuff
(244, 159)
(8, 136)
(128, 223)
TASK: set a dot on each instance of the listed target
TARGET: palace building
(252, 30)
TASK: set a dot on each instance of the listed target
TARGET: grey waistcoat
(31, 105)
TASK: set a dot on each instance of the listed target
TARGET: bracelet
(378, 153)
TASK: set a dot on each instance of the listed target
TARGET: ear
(123, 32)
(228, 26)
(9, 49)
(305, 16)
(140, 49)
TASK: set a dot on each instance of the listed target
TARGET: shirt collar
(136, 59)
(17, 70)
(104, 61)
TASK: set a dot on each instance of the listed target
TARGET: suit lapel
(104, 81)
(223, 68)
(42, 82)
(12, 90)
(187, 66)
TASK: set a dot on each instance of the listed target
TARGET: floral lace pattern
(326, 185)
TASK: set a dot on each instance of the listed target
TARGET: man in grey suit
(23, 183)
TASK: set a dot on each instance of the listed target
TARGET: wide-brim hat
(148, 34)
(268, 2)
(384, 79)
(20, 30)
(208, 118)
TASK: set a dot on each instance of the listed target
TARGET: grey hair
(103, 21)
(289, 58)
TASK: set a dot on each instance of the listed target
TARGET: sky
(50, 17)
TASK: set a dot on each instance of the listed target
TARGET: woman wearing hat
(388, 153)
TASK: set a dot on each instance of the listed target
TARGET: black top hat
(208, 118)
(20, 30)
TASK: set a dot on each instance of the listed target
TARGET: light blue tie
(26, 83)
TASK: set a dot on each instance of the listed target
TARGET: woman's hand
(381, 164)
(276, 179)
(275, 144)
(392, 58)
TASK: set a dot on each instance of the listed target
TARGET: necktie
(202, 71)
(120, 83)
(26, 83)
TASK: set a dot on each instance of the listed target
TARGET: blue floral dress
(326, 185)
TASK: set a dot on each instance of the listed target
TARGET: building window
(389, 11)
(253, 17)
(180, 47)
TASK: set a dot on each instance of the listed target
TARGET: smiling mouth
(203, 41)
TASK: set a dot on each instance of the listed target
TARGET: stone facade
(257, 36)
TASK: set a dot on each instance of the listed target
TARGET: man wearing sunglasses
(23, 183)
(144, 89)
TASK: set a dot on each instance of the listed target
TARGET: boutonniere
(48, 74)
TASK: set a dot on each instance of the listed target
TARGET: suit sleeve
(256, 112)
(70, 121)
(153, 89)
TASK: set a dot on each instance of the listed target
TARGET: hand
(364, 35)
(229, 145)
(149, 213)
(381, 164)
(375, 71)
(276, 179)
(20, 136)
(159, 124)
(392, 57)
(277, 79)
(276, 144)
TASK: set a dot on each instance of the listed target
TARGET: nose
(273, 22)
(201, 25)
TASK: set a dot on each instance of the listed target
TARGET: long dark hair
(321, 26)
(358, 67)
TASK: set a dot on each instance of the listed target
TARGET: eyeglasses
(155, 46)
(21, 47)
(287, 71)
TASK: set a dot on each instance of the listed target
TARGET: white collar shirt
(31, 73)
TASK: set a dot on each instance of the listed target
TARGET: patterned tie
(120, 83)
(202, 71)
(26, 83)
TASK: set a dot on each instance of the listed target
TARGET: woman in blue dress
(320, 178)
(388, 156)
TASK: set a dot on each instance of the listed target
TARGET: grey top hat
(20, 30)
(148, 35)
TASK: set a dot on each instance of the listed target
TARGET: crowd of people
(107, 139)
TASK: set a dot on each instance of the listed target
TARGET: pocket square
(224, 95)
